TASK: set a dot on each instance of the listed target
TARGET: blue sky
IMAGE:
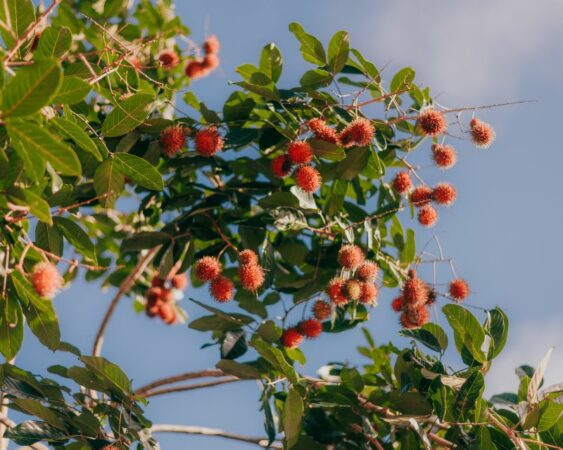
(504, 231)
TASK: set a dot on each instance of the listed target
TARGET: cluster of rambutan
(250, 272)
(208, 141)
(443, 194)
(202, 67)
(416, 296)
(309, 328)
(357, 133)
(161, 297)
(45, 279)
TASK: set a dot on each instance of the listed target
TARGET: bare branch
(182, 377)
(204, 431)
(190, 387)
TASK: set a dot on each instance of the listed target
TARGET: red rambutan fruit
(459, 289)
(367, 271)
(359, 132)
(335, 291)
(173, 139)
(167, 296)
(308, 179)
(352, 289)
(310, 328)
(196, 69)
(421, 195)
(281, 166)
(180, 281)
(432, 122)
(444, 156)
(153, 295)
(427, 216)
(222, 289)
(156, 281)
(251, 276)
(291, 338)
(168, 59)
(368, 293)
(482, 133)
(208, 268)
(211, 62)
(46, 279)
(168, 313)
(414, 317)
(444, 194)
(350, 256)
(321, 310)
(415, 291)
(402, 183)
(152, 310)
(432, 296)
(248, 257)
(208, 141)
(397, 304)
(300, 152)
(211, 45)
(322, 131)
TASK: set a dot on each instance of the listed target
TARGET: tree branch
(10, 424)
(189, 387)
(123, 289)
(203, 431)
(182, 377)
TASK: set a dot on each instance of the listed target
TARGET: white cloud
(469, 50)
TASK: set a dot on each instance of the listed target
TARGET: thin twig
(190, 387)
(182, 377)
(204, 431)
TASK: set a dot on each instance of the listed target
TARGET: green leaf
(220, 323)
(35, 408)
(402, 79)
(238, 107)
(20, 14)
(30, 139)
(356, 160)
(550, 414)
(109, 372)
(409, 250)
(144, 240)
(108, 182)
(41, 317)
(37, 205)
(468, 332)
(338, 50)
(244, 371)
(352, 379)
(127, 115)
(233, 344)
(368, 67)
(469, 394)
(496, 326)
(271, 62)
(77, 237)
(315, 78)
(78, 135)
(293, 410)
(139, 170)
(11, 327)
(327, 150)
(276, 358)
(30, 431)
(54, 41)
(73, 90)
(431, 335)
(278, 199)
(32, 88)
(311, 48)
(49, 238)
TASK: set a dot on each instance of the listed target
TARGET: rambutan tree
(295, 205)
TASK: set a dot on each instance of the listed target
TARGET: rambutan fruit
(310, 328)
(251, 276)
(211, 62)
(180, 281)
(414, 317)
(482, 133)
(281, 166)
(427, 216)
(350, 256)
(415, 291)
(208, 141)
(432, 122)
(222, 289)
(459, 289)
(421, 195)
(173, 139)
(153, 295)
(248, 257)
(322, 131)
(208, 268)
(352, 289)
(335, 291)
(444, 194)
(432, 296)
(211, 45)
(195, 69)
(367, 271)
(168, 313)
(168, 59)
(397, 304)
(156, 281)
(300, 152)
(444, 156)
(167, 296)
(321, 310)
(368, 293)
(358, 133)
(308, 179)
(46, 279)
(291, 338)
(402, 183)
